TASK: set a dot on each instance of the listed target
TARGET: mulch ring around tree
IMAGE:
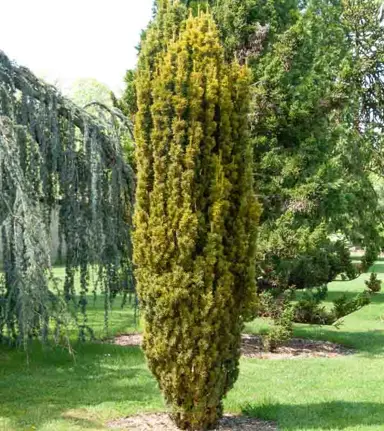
(252, 347)
(162, 422)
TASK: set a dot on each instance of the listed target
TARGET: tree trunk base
(198, 420)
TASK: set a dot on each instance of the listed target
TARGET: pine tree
(196, 216)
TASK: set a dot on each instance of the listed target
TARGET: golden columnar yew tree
(196, 217)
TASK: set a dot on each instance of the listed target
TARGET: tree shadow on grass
(334, 415)
(377, 298)
(121, 317)
(55, 387)
(366, 337)
(378, 267)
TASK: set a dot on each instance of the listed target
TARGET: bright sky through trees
(62, 40)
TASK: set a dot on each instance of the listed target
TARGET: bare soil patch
(162, 422)
(252, 347)
(128, 340)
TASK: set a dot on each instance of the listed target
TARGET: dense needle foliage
(55, 158)
(196, 215)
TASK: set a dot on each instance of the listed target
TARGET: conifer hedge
(196, 214)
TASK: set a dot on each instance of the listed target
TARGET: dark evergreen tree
(316, 126)
(313, 171)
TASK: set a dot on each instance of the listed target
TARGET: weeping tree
(55, 157)
(195, 216)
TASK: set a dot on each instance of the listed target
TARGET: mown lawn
(54, 391)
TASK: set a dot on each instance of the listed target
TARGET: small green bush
(370, 255)
(343, 306)
(308, 310)
(316, 264)
(320, 293)
(266, 304)
(362, 299)
(281, 331)
(373, 284)
(281, 311)
(277, 305)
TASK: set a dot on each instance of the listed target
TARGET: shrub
(320, 293)
(278, 307)
(373, 284)
(370, 255)
(343, 306)
(362, 299)
(309, 310)
(341, 262)
(282, 329)
(316, 264)
(196, 217)
(266, 304)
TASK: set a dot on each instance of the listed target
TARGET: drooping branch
(29, 85)
(67, 161)
(114, 113)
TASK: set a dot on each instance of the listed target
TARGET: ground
(52, 391)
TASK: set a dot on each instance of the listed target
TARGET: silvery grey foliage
(54, 154)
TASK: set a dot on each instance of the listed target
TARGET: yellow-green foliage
(196, 217)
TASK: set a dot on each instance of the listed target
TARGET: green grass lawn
(54, 392)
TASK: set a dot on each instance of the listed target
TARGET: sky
(63, 40)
